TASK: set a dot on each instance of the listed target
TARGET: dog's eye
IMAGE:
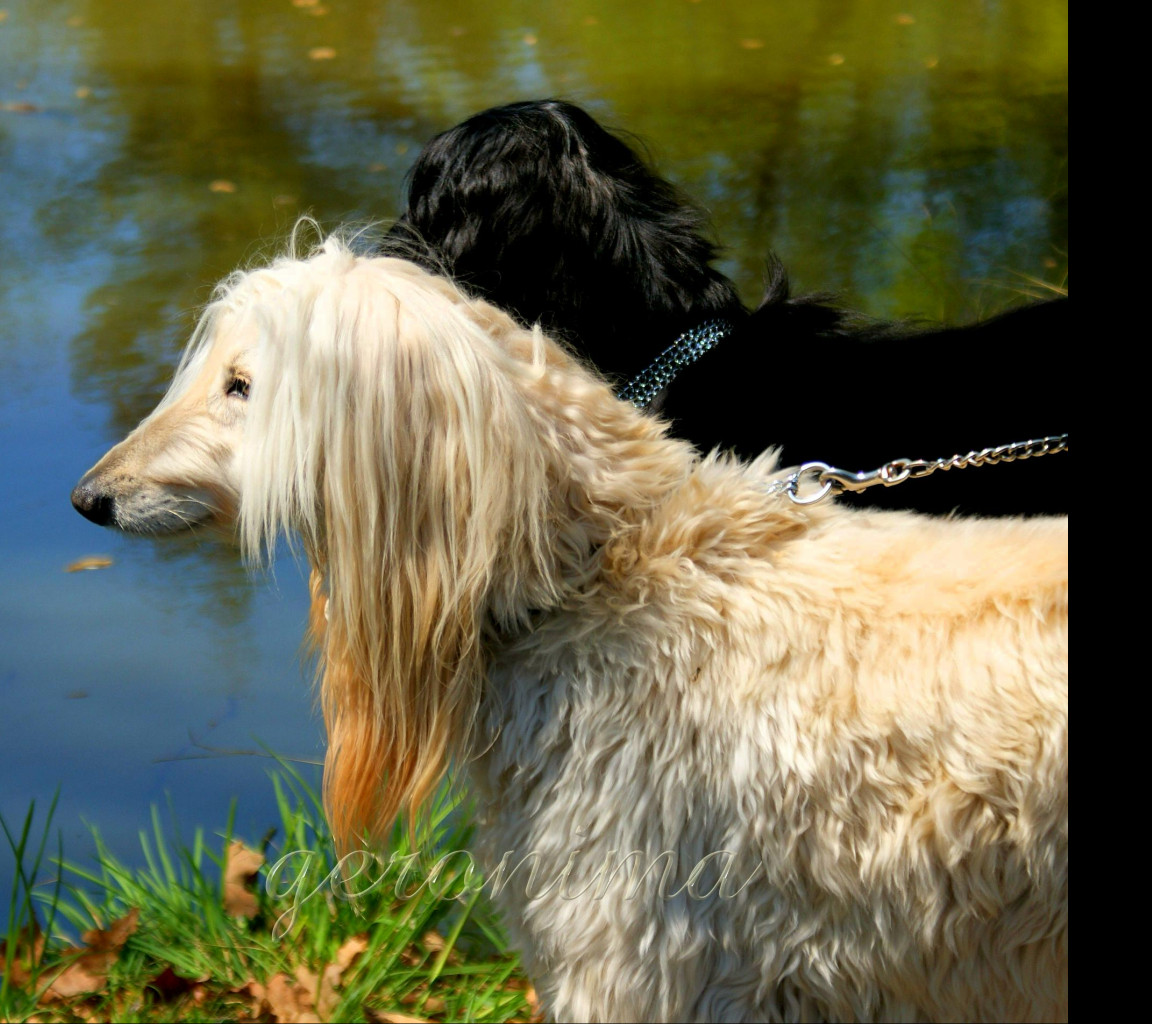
(238, 386)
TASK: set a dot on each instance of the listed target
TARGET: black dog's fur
(539, 209)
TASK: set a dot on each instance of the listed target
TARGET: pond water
(907, 154)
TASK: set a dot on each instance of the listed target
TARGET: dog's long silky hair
(389, 430)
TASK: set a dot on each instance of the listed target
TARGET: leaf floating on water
(20, 107)
(905, 19)
(90, 562)
(83, 92)
(321, 53)
(752, 44)
(305, 3)
(529, 40)
(931, 62)
(221, 185)
(836, 59)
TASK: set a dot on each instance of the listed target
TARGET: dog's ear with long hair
(381, 431)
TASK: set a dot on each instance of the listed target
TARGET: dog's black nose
(91, 504)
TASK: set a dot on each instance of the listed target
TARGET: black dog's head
(537, 208)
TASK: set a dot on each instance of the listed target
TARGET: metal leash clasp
(890, 474)
(831, 480)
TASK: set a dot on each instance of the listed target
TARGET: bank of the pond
(272, 928)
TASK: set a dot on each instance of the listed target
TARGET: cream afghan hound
(767, 761)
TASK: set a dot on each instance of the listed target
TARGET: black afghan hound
(537, 208)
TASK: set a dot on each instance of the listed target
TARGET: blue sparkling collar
(684, 351)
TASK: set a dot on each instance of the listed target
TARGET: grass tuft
(217, 930)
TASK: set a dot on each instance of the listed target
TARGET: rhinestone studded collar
(684, 351)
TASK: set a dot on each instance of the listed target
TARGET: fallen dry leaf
(321, 53)
(530, 40)
(752, 44)
(290, 1001)
(433, 941)
(328, 996)
(89, 562)
(88, 973)
(905, 19)
(835, 59)
(110, 939)
(533, 1001)
(401, 1018)
(29, 948)
(347, 954)
(240, 867)
(222, 185)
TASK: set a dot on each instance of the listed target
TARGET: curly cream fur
(644, 659)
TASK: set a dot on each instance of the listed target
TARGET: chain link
(832, 481)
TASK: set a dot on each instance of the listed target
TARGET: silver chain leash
(832, 481)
